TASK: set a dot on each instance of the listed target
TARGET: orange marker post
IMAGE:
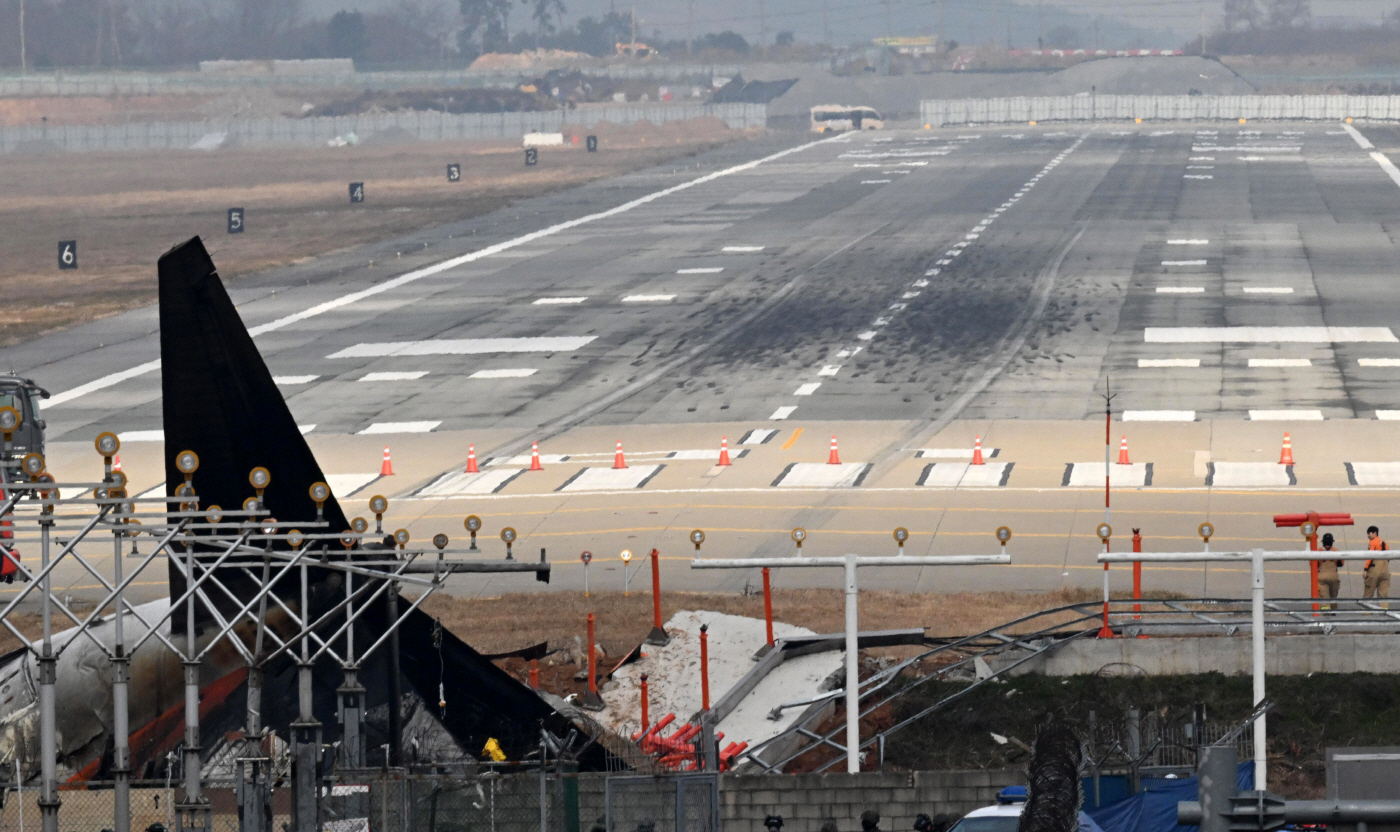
(768, 606)
(534, 674)
(705, 667)
(591, 700)
(646, 720)
(658, 634)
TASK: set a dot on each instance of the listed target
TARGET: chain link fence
(1089, 107)
(683, 803)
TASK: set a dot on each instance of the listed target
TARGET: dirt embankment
(126, 209)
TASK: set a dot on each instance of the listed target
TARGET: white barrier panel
(1088, 107)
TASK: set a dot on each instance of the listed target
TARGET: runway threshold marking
(1268, 334)
(288, 380)
(400, 427)
(465, 346)
(413, 375)
(1280, 362)
(558, 301)
(437, 268)
(1378, 362)
(522, 372)
(1268, 290)
(1285, 415)
(1168, 362)
(783, 412)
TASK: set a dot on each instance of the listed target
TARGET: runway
(900, 289)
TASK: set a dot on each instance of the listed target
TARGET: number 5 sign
(235, 220)
(68, 254)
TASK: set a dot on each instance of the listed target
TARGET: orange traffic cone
(1286, 458)
(117, 462)
(618, 460)
(387, 469)
(977, 452)
(471, 460)
(535, 457)
(835, 458)
(724, 450)
(1123, 452)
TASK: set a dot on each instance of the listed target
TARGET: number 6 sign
(68, 254)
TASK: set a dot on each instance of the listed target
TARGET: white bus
(831, 118)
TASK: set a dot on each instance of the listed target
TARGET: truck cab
(23, 395)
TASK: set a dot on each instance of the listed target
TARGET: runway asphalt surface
(901, 290)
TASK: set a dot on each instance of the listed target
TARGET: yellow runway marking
(792, 440)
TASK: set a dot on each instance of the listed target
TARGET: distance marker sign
(235, 220)
(532, 156)
(357, 192)
(592, 144)
(454, 172)
(68, 254)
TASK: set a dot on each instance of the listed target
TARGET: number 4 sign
(68, 254)
(357, 192)
(235, 220)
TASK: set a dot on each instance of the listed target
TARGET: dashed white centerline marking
(142, 436)
(807, 389)
(1201, 159)
(1268, 334)
(1188, 242)
(829, 370)
(648, 298)
(519, 373)
(1169, 362)
(1378, 362)
(867, 335)
(400, 376)
(847, 353)
(783, 412)
(400, 427)
(1388, 415)
(293, 379)
(910, 295)
(875, 181)
(1268, 290)
(1285, 415)
(704, 270)
(1198, 176)
(742, 249)
(465, 346)
(1280, 362)
(1200, 167)
(1180, 290)
(558, 301)
(921, 283)
(1183, 262)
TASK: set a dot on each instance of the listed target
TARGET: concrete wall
(1286, 655)
(806, 801)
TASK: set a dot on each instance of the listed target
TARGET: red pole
(704, 667)
(646, 720)
(656, 586)
(1107, 448)
(768, 605)
(1312, 565)
(1137, 571)
(592, 660)
(534, 674)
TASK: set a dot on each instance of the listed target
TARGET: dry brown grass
(29, 624)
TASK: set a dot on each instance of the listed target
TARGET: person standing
(1329, 582)
(1377, 571)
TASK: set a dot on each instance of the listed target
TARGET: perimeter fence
(1091, 107)
(412, 124)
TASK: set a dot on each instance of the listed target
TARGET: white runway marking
(406, 376)
(1237, 474)
(821, 475)
(1387, 166)
(523, 460)
(921, 283)
(558, 301)
(704, 454)
(293, 379)
(706, 270)
(867, 165)
(305, 429)
(142, 436)
(1201, 159)
(518, 373)
(465, 346)
(1198, 176)
(1188, 242)
(1373, 473)
(458, 484)
(829, 370)
(343, 485)
(1169, 362)
(783, 412)
(756, 437)
(867, 335)
(611, 479)
(847, 353)
(1361, 140)
(1268, 334)
(648, 298)
(807, 389)
(875, 181)
(1285, 415)
(1090, 474)
(1180, 290)
(1268, 290)
(437, 268)
(1200, 167)
(1159, 415)
(1378, 362)
(953, 453)
(738, 249)
(1388, 415)
(1183, 262)
(965, 475)
(400, 427)
(1245, 147)
(1280, 362)
(911, 295)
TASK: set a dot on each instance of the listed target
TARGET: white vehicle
(1005, 816)
(831, 118)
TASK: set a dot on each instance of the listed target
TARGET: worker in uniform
(1377, 572)
(1329, 582)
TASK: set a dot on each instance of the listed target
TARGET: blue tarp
(1154, 808)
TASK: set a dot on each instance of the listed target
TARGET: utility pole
(689, 27)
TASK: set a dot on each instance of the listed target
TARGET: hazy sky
(1167, 22)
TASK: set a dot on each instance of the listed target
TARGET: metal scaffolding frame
(205, 548)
